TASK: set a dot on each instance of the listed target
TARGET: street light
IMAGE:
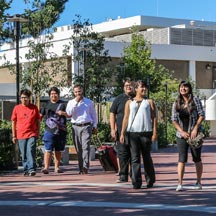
(17, 19)
(166, 97)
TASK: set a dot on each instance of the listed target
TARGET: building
(186, 47)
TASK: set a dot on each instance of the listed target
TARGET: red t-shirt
(26, 118)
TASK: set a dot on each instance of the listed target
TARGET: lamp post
(122, 67)
(17, 19)
(166, 95)
(148, 84)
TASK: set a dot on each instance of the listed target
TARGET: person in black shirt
(116, 118)
(54, 137)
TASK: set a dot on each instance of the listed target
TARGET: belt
(81, 125)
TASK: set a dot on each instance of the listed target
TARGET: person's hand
(121, 139)
(193, 133)
(184, 134)
(94, 130)
(14, 140)
(113, 135)
(154, 137)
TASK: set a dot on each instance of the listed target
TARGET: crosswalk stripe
(193, 208)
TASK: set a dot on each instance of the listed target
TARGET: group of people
(26, 125)
(133, 123)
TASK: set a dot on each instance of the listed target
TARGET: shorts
(183, 151)
(54, 142)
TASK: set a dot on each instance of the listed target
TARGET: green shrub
(7, 148)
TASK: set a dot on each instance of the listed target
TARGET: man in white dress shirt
(84, 123)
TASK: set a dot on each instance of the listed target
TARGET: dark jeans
(141, 144)
(124, 160)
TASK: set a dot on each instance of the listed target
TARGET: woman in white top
(140, 123)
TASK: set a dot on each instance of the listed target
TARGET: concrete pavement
(98, 193)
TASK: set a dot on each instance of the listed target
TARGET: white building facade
(186, 47)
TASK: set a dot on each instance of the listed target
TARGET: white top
(142, 121)
(82, 111)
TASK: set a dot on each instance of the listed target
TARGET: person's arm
(154, 120)
(68, 112)
(113, 126)
(14, 135)
(201, 114)
(125, 120)
(176, 124)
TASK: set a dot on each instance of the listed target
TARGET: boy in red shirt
(25, 130)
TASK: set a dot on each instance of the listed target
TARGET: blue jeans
(28, 152)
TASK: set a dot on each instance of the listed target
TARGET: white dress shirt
(82, 112)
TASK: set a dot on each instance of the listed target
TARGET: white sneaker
(197, 186)
(179, 188)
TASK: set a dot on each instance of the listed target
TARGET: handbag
(55, 122)
(197, 141)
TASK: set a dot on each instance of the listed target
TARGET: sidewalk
(98, 193)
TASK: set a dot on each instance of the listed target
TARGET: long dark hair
(180, 100)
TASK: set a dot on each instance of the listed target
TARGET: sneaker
(26, 173)
(32, 173)
(179, 188)
(197, 186)
(121, 181)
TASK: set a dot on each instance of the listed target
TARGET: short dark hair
(77, 85)
(25, 92)
(126, 79)
(55, 89)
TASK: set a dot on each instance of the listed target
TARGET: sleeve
(69, 108)
(174, 116)
(43, 111)
(37, 113)
(199, 106)
(113, 108)
(14, 114)
(93, 115)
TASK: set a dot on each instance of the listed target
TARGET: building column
(192, 70)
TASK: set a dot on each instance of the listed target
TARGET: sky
(98, 11)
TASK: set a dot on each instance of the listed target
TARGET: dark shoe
(150, 185)
(45, 171)
(85, 170)
(26, 173)
(32, 173)
(136, 186)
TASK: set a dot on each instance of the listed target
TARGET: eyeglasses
(127, 86)
(25, 98)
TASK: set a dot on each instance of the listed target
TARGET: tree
(139, 65)
(43, 66)
(92, 59)
(4, 5)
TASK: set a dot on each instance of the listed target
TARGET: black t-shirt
(49, 110)
(117, 108)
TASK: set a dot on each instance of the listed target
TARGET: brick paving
(98, 193)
